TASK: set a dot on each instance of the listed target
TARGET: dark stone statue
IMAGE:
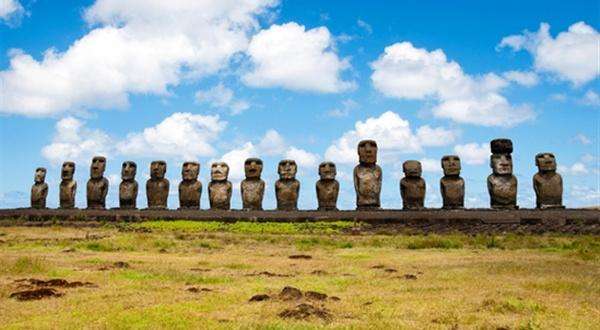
(367, 177)
(253, 188)
(157, 187)
(547, 183)
(287, 187)
(39, 190)
(97, 185)
(68, 186)
(219, 189)
(327, 187)
(502, 184)
(452, 186)
(190, 188)
(412, 186)
(128, 189)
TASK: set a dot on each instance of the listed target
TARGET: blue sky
(179, 80)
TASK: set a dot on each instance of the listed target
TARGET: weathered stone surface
(190, 189)
(128, 189)
(219, 189)
(157, 187)
(252, 188)
(452, 186)
(287, 187)
(412, 186)
(327, 187)
(39, 189)
(68, 186)
(547, 183)
(97, 185)
(367, 177)
(502, 184)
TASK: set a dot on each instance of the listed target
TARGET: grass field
(202, 275)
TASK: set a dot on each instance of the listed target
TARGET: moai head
(98, 166)
(367, 152)
(327, 171)
(412, 168)
(253, 168)
(287, 169)
(546, 162)
(219, 171)
(67, 171)
(40, 175)
(128, 170)
(190, 171)
(451, 165)
(158, 168)
(501, 160)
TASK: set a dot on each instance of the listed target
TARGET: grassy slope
(473, 282)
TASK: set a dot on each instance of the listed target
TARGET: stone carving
(39, 190)
(452, 186)
(367, 177)
(547, 183)
(128, 189)
(190, 189)
(97, 185)
(68, 186)
(327, 187)
(412, 186)
(253, 188)
(287, 187)
(219, 189)
(502, 184)
(157, 187)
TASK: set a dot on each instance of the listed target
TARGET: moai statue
(39, 190)
(190, 189)
(157, 187)
(367, 177)
(253, 188)
(412, 186)
(219, 188)
(97, 185)
(287, 187)
(502, 184)
(327, 187)
(128, 189)
(452, 185)
(547, 183)
(68, 186)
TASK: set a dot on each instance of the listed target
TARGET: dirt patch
(268, 274)
(319, 272)
(259, 297)
(390, 270)
(334, 298)
(290, 293)
(409, 277)
(116, 265)
(38, 289)
(378, 267)
(200, 269)
(55, 282)
(313, 295)
(197, 289)
(305, 311)
(69, 250)
(35, 294)
(300, 256)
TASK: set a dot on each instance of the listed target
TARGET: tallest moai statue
(367, 177)
(502, 184)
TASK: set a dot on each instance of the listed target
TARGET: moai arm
(535, 186)
(355, 175)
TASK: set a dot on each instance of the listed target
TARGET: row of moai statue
(502, 184)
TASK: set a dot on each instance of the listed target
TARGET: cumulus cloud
(291, 57)
(272, 143)
(137, 47)
(11, 11)
(576, 169)
(591, 98)
(431, 165)
(235, 159)
(343, 111)
(527, 79)
(222, 97)
(406, 72)
(571, 56)
(302, 157)
(393, 135)
(473, 153)
(582, 138)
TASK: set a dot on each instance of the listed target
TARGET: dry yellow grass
(552, 284)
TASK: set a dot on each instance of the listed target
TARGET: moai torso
(412, 186)
(502, 184)
(39, 190)
(190, 189)
(367, 176)
(452, 186)
(128, 189)
(68, 186)
(252, 188)
(547, 183)
(287, 187)
(327, 187)
(97, 185)
(157, 187)
(219, 189)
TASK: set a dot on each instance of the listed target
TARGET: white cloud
(220, 96)
(302, 157)
(272, 143)
(139, 47)
(291, 57)
(235, 159)
(571, 56)
(365, 26)
(10, 11)
(577, 168)
(406, 72)
(431, 165)
(343, 111)
(73, 141)
(582, 138)
(473, 153)
(591, 98)
(560, 97)
(393, 135)
(586, 194)
(181, 135)
(527, 79)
